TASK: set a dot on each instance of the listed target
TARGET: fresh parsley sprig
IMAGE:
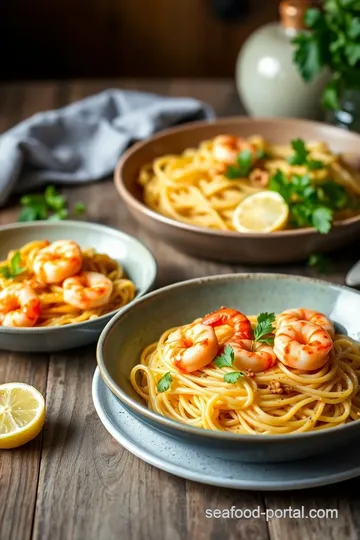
(14, 268)
(300, 156)
(320, 263)
(242, 167)
(264, 327)
(164, 383)
(226, 359)
(50, 205)
(310, 205)
(331, 40)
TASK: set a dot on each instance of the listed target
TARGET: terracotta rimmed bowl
(130, 331)
(274, 248)
(136, 259)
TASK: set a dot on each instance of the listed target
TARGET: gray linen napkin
(83, 141)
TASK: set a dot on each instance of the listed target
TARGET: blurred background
(126, 38)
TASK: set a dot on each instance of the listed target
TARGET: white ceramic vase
(267, 79)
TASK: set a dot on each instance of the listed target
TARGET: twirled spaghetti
(277, 401)
(54, 311)
(194, 188)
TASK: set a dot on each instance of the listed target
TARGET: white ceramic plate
(170, 455)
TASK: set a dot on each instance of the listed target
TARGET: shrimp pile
(225, 371)
(48, 284)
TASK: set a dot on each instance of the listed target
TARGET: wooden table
(74, 481)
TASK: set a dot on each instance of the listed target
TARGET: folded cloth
(83, 141)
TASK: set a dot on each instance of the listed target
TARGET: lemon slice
(265, 212)
(22, 414)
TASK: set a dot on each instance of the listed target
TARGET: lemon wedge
(22, 414)
(263, 212)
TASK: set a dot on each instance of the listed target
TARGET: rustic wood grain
(18, 468)
(89, 487)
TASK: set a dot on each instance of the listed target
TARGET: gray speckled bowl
(136, 259)
(143, 322)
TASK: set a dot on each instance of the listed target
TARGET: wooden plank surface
(75, 481)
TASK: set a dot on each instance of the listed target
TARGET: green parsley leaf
(233, 376)
(261, 154)
(320, 263)
(53, 199)
(79, 208)
(243, 167)
(14, 268)
(300, 153)
(264, 326)
(164, 383)
(280, 183)
(59, 215)
(330, 98)
(321, 219)
(226, 359)
(28, 213)
(5, 272)
(315, 164)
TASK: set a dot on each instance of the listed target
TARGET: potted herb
(332, 42)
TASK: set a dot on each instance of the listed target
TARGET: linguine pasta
(53, 310)
(192, 187)
(280, 400)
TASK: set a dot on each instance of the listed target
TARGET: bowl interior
(135, 258)
(276, 130)
(137, 326)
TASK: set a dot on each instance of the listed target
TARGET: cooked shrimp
(252, 355)
(236, 320)
(19, 306)
(302, 345)
(57, 262)
(192, 347)
(302, 314)
(87, 290)
(226, 148)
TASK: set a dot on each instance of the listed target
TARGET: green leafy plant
(14, 268)
(333, 42)
(50, 205)
(320, 263)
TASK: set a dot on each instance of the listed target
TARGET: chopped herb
(264, 327)
(51, 205)
(301, 156)
(14, 268)
(226, 359)
(233, 376)
(243, 166)
(320, 263)
(261, 154)
(310, 204)
(165, 382)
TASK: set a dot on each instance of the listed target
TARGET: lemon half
(22, 414)
(261, 212)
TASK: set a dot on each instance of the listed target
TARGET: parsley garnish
(301, 156)
(51, 206)
(242, 167)
(233, 376)
(261, 154)
(309, 204)
(165, 382)
(14, 268)
(330, 40)
(320, 263)
(264, 327)
(226, 359)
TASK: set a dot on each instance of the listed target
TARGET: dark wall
(115, 38)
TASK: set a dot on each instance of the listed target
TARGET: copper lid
(292, 13)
